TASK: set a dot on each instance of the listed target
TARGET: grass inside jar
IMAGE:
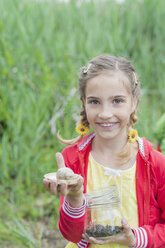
(100, 231)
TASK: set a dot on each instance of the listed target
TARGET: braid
(84, 120)
(133, 119)
(125, 154)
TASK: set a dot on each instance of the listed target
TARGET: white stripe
(71, 212)
(73, 209)
(142, 238)
(79, 245)
(137, 238)
(74, 212)
(86, 141)
(141, 146)
(74, 217)
(82, 242)
(84, 202)
(146, 238)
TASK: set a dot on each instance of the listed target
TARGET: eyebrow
(94, 97)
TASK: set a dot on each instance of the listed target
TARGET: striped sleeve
(74, 212)
(141, 237)
(82, 244)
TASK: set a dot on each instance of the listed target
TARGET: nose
(105, 113)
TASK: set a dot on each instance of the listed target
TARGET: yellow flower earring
(81, 129)
(132, 136)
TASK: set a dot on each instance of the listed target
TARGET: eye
(94, 101)
(117, 100)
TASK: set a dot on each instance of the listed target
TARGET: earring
(81, 129)
(132, 136)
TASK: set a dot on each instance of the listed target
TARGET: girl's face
(109, 104)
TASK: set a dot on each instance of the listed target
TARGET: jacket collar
(144, 148)
(85, 142)
(144, 145)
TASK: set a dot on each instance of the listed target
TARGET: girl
(112, 154)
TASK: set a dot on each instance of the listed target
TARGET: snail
(63, 175)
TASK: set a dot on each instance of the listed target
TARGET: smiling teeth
(107, 125)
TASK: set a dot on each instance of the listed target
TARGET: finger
(53, 188)
(63, 189)
(80, 181)
(128, 233)
(46, 184)
(85, 236)
(56, 188)
(107, 241)
(78, 185)
(89, 239)
(60, 189)
(126, 228)
(60, 160)
(93, 240)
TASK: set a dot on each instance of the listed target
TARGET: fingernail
(57, 154)
(124, 221)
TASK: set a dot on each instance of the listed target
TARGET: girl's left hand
(126, 238)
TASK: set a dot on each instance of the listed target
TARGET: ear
(135, 102)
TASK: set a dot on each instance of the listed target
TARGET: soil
(99, 231)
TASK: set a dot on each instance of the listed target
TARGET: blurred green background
(43, 44)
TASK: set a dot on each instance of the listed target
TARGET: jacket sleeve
(154, 236)
(71, 220)
(150, 237)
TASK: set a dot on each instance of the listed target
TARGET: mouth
(105, 124)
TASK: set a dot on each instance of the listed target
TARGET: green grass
(42, 47)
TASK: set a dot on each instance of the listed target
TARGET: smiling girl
(112, 154)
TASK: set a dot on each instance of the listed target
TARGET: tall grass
(42, 46)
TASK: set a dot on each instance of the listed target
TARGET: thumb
(126, 227)
(60, 160)
(129, 233)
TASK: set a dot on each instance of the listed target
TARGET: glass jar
(103, 217)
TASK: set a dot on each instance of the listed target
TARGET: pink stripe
(141, 237)
(73, 209)
(137, 239)
(82, 244)
(145, 241)
(74, 212)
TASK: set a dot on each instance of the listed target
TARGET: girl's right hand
(72, 193)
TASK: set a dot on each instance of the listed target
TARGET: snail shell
(65, 173)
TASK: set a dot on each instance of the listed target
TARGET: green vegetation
(42, 46)
(160, 132)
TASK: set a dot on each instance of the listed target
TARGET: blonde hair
(102, 64)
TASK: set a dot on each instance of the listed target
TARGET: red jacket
(150, 190)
